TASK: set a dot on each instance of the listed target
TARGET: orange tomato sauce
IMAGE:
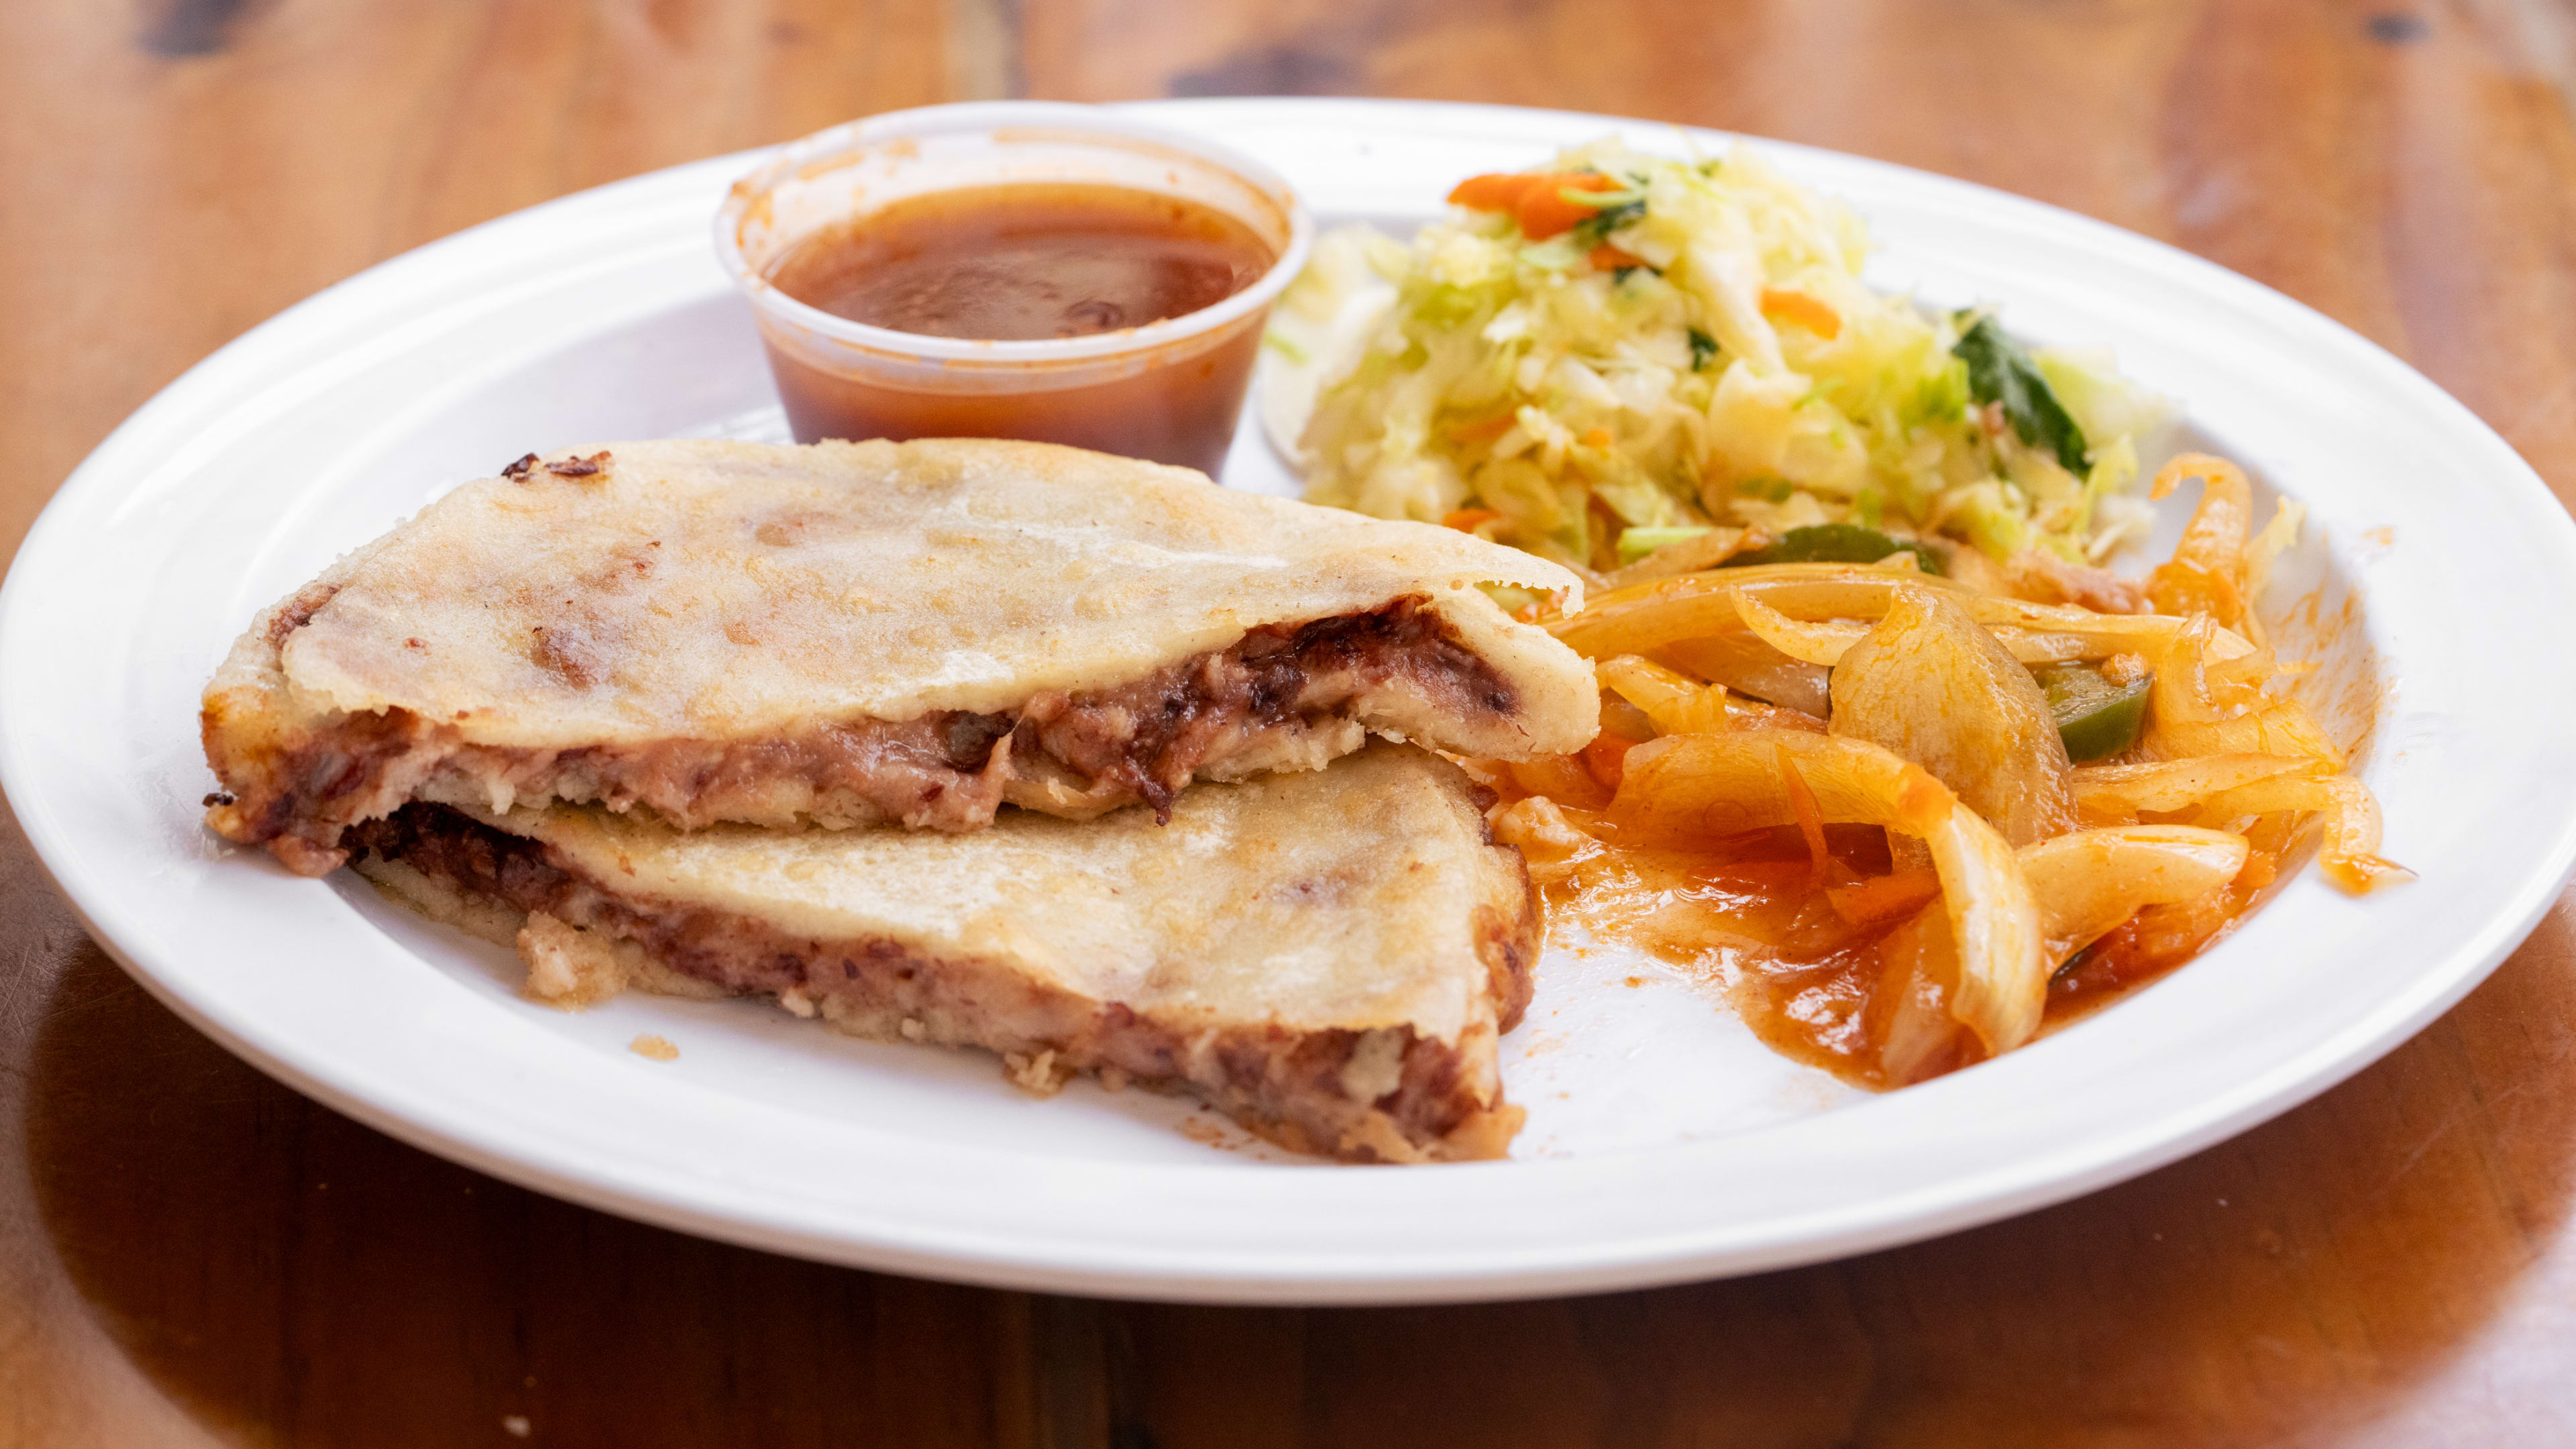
(1793, 940)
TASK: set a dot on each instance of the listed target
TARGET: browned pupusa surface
(528, 636)
(1329, 956)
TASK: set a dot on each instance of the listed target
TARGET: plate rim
(1642, 1262)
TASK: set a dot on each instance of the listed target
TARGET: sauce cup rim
(1072, 121)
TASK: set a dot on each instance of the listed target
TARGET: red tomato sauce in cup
(1089, 281)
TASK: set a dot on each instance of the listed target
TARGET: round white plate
(1663, 1144)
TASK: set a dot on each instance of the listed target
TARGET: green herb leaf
(1999, 371)
(2096, 718)
(1703, 350)
(1595, 229)
(1836, 543)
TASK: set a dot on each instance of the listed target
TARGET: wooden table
(191, 1254)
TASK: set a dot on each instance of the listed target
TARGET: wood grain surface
(190, 1254)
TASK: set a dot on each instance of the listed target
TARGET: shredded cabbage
(1699, 351)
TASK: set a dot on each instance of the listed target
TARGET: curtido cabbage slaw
(1626, 353)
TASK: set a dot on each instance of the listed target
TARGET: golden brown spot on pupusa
(621, 569)
(300, 609)
(789, 526)
(569, 652)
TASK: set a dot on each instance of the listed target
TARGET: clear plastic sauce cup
(1169, 391)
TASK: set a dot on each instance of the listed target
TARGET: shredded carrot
(1538, 202)
(1595, 438)
(1607, 758)
(1465, 520)
(1804, 310)
(1543, 210)
(1484, 430)
(1493, 191)
(1811, 816)
(1610, 259)
(1885, 897)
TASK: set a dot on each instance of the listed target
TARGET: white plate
(1664, 1143)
